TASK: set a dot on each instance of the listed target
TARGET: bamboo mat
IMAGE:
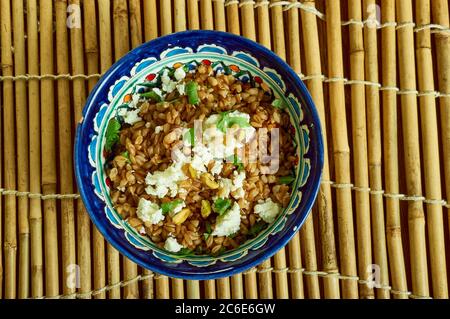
(379, 72)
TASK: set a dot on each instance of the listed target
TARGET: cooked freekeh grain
(147, 146)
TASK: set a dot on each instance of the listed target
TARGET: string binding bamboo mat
(379, 73)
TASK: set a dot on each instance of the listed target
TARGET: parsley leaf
(286, 180)
(278, 103)
(112, 134)
(226, 121)
(126, 154)
(189, 136)
(170, 206)
(221, 205)
(256, 228)
(208, 230)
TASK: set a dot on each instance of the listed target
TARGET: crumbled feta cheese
(267, 210)
(179, 74)
(132, 116)
(217, 168)
(142, 230)
(181, 88)
(161, 182)
(238, 193)
(225, 185)
(177, 208)
(165, 79)
(172, 245)
(148, 124)
(159, 129)
(149, 212)
(228, 223)
(169, 87)
(202, 157)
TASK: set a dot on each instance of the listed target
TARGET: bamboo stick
(165, 16)
(263, 26)
(177, 288)
(121, 47)
(10, 240)
(430, 147)
(219, 16)
(206, 15)
(105, 63)
(281, 283)
(192, 289)
(248, 21)
(193, 18)
(233, 18)
(341, 151)
(265, 276)
(223, 288)
(441, 17)
(210, 289)
(390, 141)
(147, 285)
(416, 219)
(91, 52)
(22, 149)
(374, 146)
(135, 23)
(48, 149)
(162, 287)
(306, 235)
(65, 151)
(359, 129)
(324, 201)
(179, 8)
(150, 20)
(1, 197)
(37, 276)
(79, 99)
(237, 287)
(136, 40)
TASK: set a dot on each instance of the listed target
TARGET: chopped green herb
(191, 92)
(278, 103)
(151, 85)
(221, 205)
(226, 121)
(236, 162)
(112, 134)
(233, 235)
(152, 95)
(221, 250)
(189, 136)
(256, 228)
(286, 179)
(170, 206)
(126, 154)
(208, 230)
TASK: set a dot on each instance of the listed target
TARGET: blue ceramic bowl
(248, 61)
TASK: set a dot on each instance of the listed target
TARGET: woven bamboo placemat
(379, 72)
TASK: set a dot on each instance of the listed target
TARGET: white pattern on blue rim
(262, 63)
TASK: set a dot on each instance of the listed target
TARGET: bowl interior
(248, 62)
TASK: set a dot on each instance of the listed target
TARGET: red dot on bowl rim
(258, 79)
(206, 62)
(150, 77)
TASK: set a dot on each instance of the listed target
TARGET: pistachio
(181, 217)
(206, 208)
(208, 180)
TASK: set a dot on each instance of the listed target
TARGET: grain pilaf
(181, 159)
